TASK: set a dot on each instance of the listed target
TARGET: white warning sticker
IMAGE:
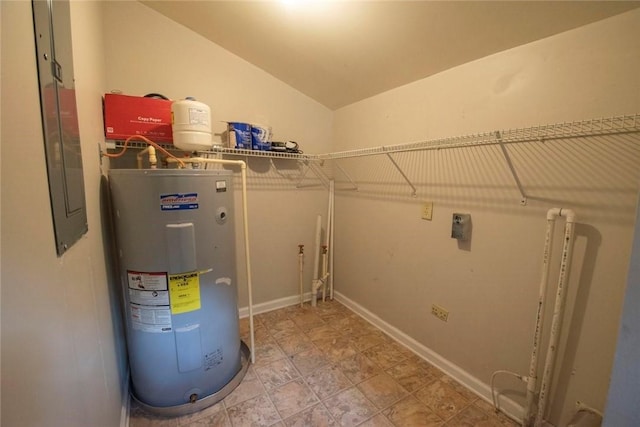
(149, 297)
(149, 301)
(150, 318)
(156, 281)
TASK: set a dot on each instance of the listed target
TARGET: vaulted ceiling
(340, 52)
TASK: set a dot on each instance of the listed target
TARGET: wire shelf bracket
(512, 169)
(404, 175)
(353, 183)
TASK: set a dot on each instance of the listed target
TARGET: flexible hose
(493, 377)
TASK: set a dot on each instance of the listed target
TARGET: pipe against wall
(531, 380)
(333, 208)
(300, 272)
(533, 364)
(316, 261)
(558, 314)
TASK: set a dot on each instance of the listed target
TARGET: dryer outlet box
(461, 226)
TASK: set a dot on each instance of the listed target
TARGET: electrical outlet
(427, 210)
(440, 312)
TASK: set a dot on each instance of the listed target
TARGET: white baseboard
(508, 406)
(126, 402)
(274, 304)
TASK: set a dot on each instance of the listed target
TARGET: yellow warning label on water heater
(184, 292)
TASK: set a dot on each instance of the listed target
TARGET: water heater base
(205, 402)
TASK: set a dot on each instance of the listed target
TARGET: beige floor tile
(283, 328)
(260, 335)
(212, 411)
(292, 398)
(216, 420)
(411, 412)
(382, 390)
(377, 421)
(296, 309)
(249, 388)
(138, 417)
(327, 381)
(258, 411)
(307, 321)
(353, 326)
(316, 416)
(331, 306)
(358, 368)
(308, 361)
(350, 407)
(267, 352)
(366, 341)
(323, 332)
(411, 375)
(336, 349)
(332, 317)
(488, 408)
(442, 399)
(293, 344)
(271, 317)
(276, 373)
(386, 355)
(472, 416)
(465, 392)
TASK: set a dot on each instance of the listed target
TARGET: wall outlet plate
(440, 312)
(427, 210)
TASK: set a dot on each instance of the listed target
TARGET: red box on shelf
(125, 116)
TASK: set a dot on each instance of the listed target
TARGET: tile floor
(326, 366)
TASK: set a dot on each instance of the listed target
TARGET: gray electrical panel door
(52, 25)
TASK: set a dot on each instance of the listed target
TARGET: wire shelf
(266, 154)
(594, 127)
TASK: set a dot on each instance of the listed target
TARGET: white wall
(396, 265)
(62, 358)
(148, 53)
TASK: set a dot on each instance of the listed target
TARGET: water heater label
(213, 359)
(150, 319)
(184, 290)
(145, 281)
(149, 301)
(178, 201)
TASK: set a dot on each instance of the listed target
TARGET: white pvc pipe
(327, 238)
(533, 364)
(153, 159)
(300, 272)
(558, 313)
(245, 217)
(333, 222)
(325, 273)
(316, 261)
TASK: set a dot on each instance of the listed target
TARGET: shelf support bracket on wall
(505, 153)
(355, 186)
(310, 166)
(413, 188)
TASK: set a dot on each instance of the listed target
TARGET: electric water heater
(176, 250)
